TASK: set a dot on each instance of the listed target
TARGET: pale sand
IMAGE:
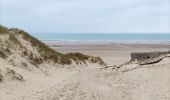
(130, 82)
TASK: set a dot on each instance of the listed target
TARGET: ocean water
(165, 37)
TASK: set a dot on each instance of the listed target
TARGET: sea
(104, 37)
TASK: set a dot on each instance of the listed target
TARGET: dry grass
(50, 54)
(14, 75)
(2, 54)
(3, 30)
(1, 77)
(14, 40)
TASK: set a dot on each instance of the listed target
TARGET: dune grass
(1, 77)
(3, 30)
(2, 54)
(48, 53)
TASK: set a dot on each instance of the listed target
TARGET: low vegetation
(77, 56)
(2, 54)
(48, 53)
(3, 30)
(1, 77)
(97, 60)
(13, 39)
(14, 75)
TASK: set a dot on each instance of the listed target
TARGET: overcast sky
(87, 16)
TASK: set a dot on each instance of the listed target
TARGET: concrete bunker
(148, 57)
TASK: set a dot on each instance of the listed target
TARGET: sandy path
(85, 85)
(143, 83)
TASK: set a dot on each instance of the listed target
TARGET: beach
(112, 53)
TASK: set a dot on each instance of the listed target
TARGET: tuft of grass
(44, 50)
(14, 75)
(97, 60)
(64, 60)
(3, 30)
(1, 77)
(8, 51)
(14, 40)
(2, 54)
(77, 57)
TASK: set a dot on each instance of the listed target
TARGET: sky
(87, 16)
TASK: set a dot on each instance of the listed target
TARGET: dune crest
(21, 50)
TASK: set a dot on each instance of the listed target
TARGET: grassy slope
(46, 52)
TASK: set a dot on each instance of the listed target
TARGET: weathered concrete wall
(147, 56)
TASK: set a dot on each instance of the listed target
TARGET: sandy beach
(111, 53)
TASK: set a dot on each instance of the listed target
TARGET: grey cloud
(71, 16)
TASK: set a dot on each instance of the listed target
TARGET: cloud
(91, 16)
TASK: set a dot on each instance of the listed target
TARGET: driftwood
(148, 57)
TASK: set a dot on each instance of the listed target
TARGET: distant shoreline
(75, 42)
